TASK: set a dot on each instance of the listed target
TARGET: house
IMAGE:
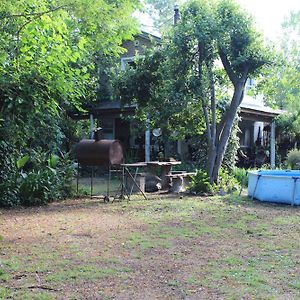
(109, 114)
(257, 126)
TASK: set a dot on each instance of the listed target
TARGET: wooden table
(165, 167)
(159, 168)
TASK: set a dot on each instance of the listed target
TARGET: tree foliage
(280, 84)
(48, 51)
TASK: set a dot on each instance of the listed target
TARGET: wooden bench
(179, 181)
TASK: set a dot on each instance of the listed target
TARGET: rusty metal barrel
(99, 153)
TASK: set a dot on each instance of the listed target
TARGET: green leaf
(22, 161)
(52, 161)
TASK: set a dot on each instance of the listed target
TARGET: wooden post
(272, 145)
(147, 140)
(91, 126)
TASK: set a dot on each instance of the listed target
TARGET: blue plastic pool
(275, 186)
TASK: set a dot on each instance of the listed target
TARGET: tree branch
(212, 101)
(228, 120)
(34, 16)
(232, 76)
(243, 83)
(38, 14)
(204, 107)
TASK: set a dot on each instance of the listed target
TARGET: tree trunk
(218, 139)
(211, 158)
(225, 133)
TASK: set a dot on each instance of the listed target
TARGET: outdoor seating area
(156, 175)
(253, 158)
(148, 176)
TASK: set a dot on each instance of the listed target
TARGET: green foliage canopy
(280, 84)
(48, 51)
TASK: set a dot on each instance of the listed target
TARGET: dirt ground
(164, 248)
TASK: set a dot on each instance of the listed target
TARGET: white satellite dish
(157, 132)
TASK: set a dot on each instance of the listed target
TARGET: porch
(257, 134)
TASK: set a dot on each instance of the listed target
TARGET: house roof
(104, 109)
(250, 111)
(149, 35)
(254, 109)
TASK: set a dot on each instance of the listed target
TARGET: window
(127, 62)
(108, 128)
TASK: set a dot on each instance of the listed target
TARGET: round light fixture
(157, 132)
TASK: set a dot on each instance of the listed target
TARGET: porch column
(91, 126)
(147, 140)
(272, 145)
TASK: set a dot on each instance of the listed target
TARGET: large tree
(214, 48)
(49, 51)
(60, 40)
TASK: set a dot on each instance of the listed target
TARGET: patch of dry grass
(163, 248)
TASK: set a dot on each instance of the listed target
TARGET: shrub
(9, 193)
(240, 174)
(49, 177)
(293, 159)
(8, 186)
(35, 178)
(200, 183)
(65, 173)
(38, 187)
(230, 156)
(227, 183)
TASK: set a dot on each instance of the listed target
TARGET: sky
(269, 14)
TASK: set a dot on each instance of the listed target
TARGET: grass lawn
(164, 248)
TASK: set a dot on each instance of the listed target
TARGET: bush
(293, 159)
(49, 178)
(200, 183)
(36, 178)
(9, 193)
(38, 187)
(66, 171)
(8, 187)
(240, 175)
(227, 183)
(230, 156)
